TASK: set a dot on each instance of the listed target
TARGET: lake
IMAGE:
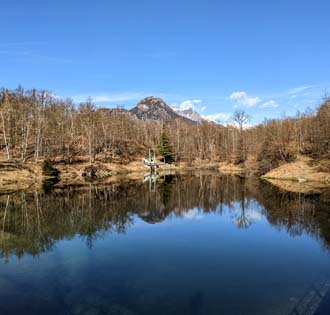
(200, 243)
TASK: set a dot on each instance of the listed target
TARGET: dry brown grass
(231, 168)
(323, 166)
(304, 169)
(19, 179)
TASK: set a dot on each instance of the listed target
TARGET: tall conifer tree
(164, 147)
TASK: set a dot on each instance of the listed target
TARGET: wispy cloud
(14, 44)
(241, 98)
(300, 89)
(268, 104)
(187, 104)
(109, 98)
(126, 96)
(218, 117)
(20, 44)
(195, 104)
(295, 92)
(294, 98)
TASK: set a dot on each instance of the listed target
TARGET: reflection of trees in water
(48, 185)
(296, 212)
(33, 222)
(165, 189)
(241, 219)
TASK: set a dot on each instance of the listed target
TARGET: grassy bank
(302, 175)
(23, 176)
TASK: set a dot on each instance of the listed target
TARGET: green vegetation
(164, 148)
(49, 170)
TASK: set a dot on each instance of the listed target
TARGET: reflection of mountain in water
(33, 222)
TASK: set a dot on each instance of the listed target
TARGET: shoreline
(297, 176)
(302, 176)
(16, 176)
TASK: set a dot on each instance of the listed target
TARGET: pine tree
(164, 147)
(49, 170)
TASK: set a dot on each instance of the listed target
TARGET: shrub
(272, 154)
(90, 173)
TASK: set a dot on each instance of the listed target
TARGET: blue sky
(270, 58)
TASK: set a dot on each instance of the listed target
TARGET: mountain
(152, 108)
(190, 114)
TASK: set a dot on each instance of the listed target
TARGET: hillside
(302, 175)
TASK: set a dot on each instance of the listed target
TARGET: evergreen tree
(164, 147)
(49, 170)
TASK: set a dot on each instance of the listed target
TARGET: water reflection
(32, 223)
(48, 184)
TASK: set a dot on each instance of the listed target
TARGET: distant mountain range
(153, 108)
(190, 114)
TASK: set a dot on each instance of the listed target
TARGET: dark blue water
(196, 245)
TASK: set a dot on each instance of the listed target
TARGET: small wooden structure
(151, 162)
(156, 169)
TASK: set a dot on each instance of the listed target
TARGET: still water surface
(197, 244)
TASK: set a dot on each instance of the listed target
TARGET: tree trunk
(4, 136)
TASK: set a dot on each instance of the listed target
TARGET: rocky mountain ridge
(190, 114)
(153, 108)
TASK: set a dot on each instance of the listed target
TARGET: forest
(36, 125)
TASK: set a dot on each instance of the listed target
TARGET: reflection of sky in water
(194, 214)
(196, 262)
